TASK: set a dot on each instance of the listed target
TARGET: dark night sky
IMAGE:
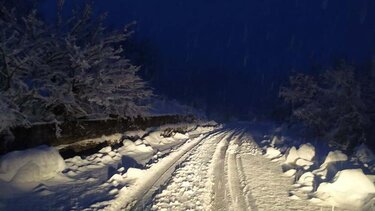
(231, 55)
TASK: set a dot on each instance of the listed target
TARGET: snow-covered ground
(324, 175)
(39, 179)
(231, 167)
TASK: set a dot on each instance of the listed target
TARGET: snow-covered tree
(332, 105)
(21, 47)
(75, 69)
(97, 78)
(10, 115)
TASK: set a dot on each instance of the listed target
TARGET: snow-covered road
(226, 171)
(221, 168)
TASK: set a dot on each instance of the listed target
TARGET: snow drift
(31, 165)
(350, 188)
(327, 178)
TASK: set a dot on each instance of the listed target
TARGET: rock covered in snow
(127, 143)
(272, 153)
(306, 152)
(301, 157)
(329, 164)
(307, 179)
(106, 150)
(335, 156)
(116, 177)
(153, 138)
(140, 153)
(304, 163)
(292, 156)
(31, 165)
(350, 188)
(106, 159)
(180, 136)
(138, 142)
(290, 172)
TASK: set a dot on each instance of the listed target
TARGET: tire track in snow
(146, 201)
(250, 201)
(217, 169)
(137, 196)
(234, 181)
(187, 187)
(247, 146)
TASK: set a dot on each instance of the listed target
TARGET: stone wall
(71, 132)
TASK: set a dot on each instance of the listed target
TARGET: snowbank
(335, 180)
(31, 165)
(350, 188)
(140, 153)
